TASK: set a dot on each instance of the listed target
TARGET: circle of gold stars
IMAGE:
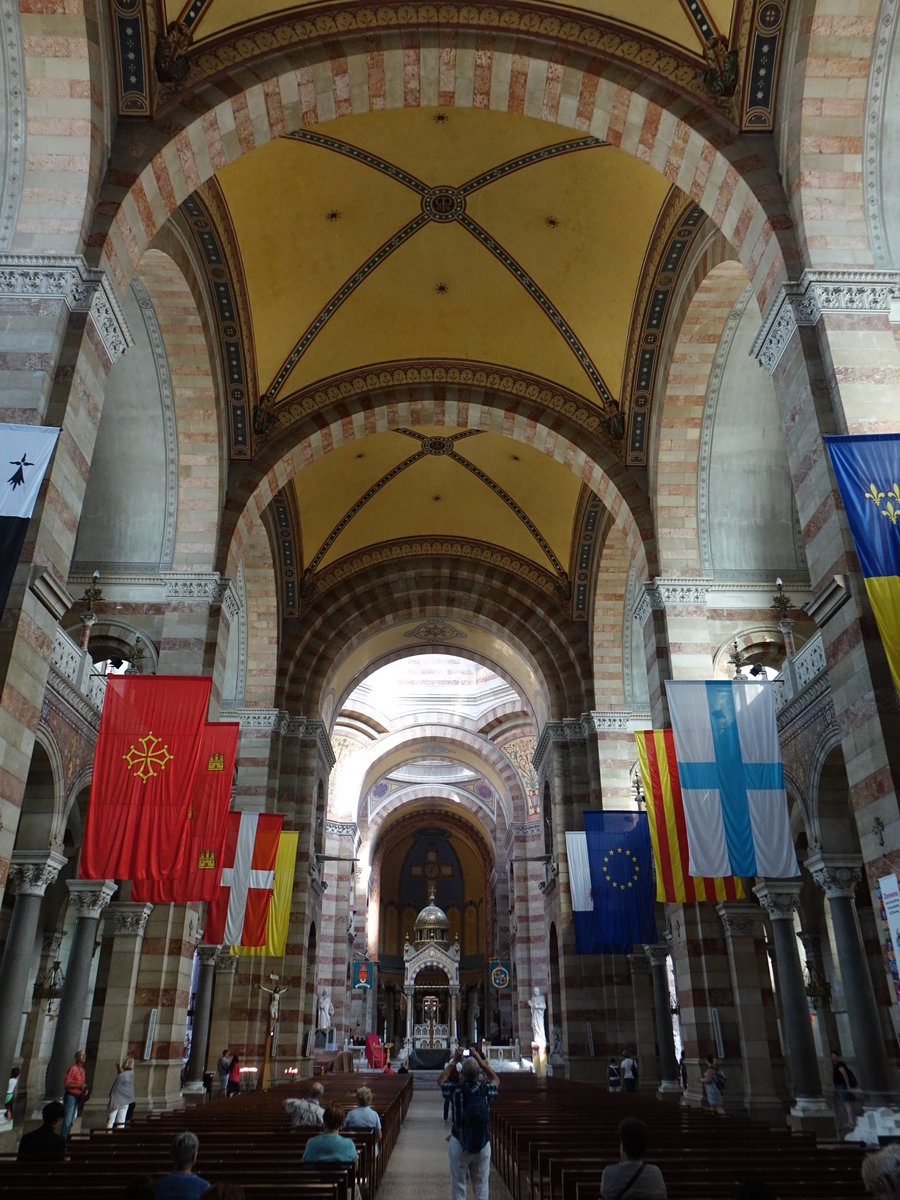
(635, 869)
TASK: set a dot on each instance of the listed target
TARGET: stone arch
(42, 818)
(609, 613)
(194, 394)
(261, 612)
(825, 113)
(67, 126)
(514, 615)
(680, 140)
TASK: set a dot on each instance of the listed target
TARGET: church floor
(419, 1169)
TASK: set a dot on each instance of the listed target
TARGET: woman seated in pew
(331, 1146)
(631, 1176)
(364, 1115)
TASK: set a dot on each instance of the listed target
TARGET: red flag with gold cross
(144, 771)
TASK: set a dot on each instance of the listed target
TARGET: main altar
(431, 985)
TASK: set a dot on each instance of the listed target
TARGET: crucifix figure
(275, 992)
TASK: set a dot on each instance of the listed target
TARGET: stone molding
(127, 918)
(342, 828)
(263, 720)
(569, 729)
(314, 728)
(13, 133)
(836, 874)
(779, 897)
(68, 277)
(32, 873)
(801, 303)
(666, 592)
(618, 720)
(89, 897)
(738, 920)
(277, 720)
(51, 593)
(167, 398)
(875, 113)
(201, 587)
(826, 602)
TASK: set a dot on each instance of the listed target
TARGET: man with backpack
(470, 1098)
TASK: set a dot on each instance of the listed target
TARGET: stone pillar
(410, 996)
(641, 1040)
(454, 993)
(669, 1078)
(88, 897)
(31, 875)
(202, 1013)
(126, 921)
(754, 1005)
(779, 898)
(220, 1019)
(838, 876)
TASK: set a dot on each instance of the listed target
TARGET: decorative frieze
(84, 289)
(342, 828)
(261, 720)
(199, 587)
(621, 721)
(802, 303)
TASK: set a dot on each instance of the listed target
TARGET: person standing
(470, 1144)
(234, 1077)
(223, 1066)
(614, 1079)
(713, 1082)
(844, 1082)
(629, 1072)
(74, 1093)
(121, 1095)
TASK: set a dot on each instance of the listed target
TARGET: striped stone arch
(521, 417)
(834, 101)
(457, 821)
(448, 731)
(679, 426)
(335, 624)
(152, 175)
(608, 614)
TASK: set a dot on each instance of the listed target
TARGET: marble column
(779, 897)
(30, 875)
(754, 1007)
(88, 897)
(669, 1079)
(126, 921)
(838, 876)
(454, 994)
(642, 1043)
(223, 988)
(202, 1012)
(410, 996)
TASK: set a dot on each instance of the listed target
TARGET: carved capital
(31, 874)
(127, 918)
(836, 874)
(208, 954)
(739, 920)
(779, 897)
(84, 289)
(226, 962)
(658, 954)
(802, 302)
(89, 897)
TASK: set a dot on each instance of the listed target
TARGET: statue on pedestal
(326, 1009)
(538, 1006)
(276, 993)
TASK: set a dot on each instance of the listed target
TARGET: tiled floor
(418, 1169)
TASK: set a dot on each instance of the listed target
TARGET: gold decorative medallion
(216, 762)
(150, 759)
(207, 860)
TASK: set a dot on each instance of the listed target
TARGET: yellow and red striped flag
(665, 809)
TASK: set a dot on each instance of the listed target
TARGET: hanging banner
(501, 976)
(888, 897)
(362, 974)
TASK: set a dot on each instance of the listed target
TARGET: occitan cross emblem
(150, 759)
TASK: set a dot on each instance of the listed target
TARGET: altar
(431, 983)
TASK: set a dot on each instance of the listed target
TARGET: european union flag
(620, 857)
(867, 470)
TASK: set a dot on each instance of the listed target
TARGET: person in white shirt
(309, 1111)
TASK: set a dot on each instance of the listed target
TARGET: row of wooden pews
(552, 1138)
(246, 1139)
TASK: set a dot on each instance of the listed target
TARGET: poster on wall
(362, 974)
(888, 897)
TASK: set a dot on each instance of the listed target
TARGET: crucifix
(431, 871)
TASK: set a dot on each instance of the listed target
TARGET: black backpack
(472, 1116)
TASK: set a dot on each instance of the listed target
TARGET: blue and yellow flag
(867, 469)
(622, 888)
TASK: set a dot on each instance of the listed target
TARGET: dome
(432, 923)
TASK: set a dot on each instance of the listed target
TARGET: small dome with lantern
(432, 924)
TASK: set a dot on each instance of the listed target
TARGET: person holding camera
(470, 1085)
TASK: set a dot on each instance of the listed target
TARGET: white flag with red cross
(237, 916)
